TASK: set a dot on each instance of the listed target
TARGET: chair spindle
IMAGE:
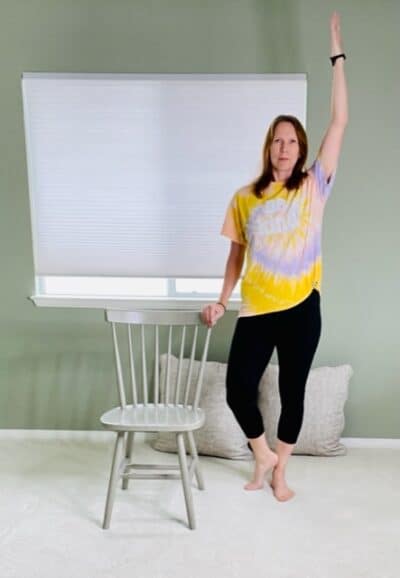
(156, 365)
(189, 375)
(168, 375)
(201, 371)
(132, 367)
(144, 367)
(179, 374)
(120, 377)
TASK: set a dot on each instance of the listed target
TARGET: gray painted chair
(156, 407)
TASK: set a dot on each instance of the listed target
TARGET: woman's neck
(281, 176)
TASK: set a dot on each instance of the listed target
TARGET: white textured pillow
(323, 423)
(220, 435)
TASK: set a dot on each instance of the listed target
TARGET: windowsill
(124, 302)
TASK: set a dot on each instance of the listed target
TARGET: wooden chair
(159, 407)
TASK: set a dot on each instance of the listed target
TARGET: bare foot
(260, 470)
(281, 490)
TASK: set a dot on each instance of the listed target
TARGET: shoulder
(245, 192)
(311, 171)
(314, 175)
(243, 198)
(318, 180)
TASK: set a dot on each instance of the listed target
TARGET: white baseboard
(387, 443)
(64, 435)
(106, 436)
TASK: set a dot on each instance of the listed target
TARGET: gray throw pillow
(323, 423)
(220, 435)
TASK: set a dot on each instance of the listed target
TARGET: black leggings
(295, 332)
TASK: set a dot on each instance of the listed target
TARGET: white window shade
(131, 175)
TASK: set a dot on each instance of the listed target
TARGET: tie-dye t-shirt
(282, 235)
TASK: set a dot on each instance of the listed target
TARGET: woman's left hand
(336, 37)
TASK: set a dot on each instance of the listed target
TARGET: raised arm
(332, 141)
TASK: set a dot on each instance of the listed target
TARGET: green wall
(55, 364)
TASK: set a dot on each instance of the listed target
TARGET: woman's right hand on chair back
(211, 313)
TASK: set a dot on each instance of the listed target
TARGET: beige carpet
(343, 523)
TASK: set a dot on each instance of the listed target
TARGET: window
(130, 176)
(133, 288)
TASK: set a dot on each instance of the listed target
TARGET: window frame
(86, 299)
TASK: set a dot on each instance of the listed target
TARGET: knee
(234, 393)
(232, 398)
(290, 424)
(241, 388)
(240, 395)
(233, 387)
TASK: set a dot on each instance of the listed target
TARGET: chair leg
(187, 491)
(195, 458)
(128, 455)
(119, 442)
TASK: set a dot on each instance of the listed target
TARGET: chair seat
(153, 417)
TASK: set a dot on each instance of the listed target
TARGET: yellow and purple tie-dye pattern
(282, 235)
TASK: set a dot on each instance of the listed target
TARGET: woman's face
(284, 151)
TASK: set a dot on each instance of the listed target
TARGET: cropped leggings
(295, 333)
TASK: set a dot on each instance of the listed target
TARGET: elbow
(340, 116)
(235, 263)
(340, 122)
(344, 120)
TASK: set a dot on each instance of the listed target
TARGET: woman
(277, 222)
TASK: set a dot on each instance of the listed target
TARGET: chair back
(148, 334)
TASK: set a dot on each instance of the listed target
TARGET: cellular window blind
(131, 174)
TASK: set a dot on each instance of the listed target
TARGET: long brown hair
(298, 174)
